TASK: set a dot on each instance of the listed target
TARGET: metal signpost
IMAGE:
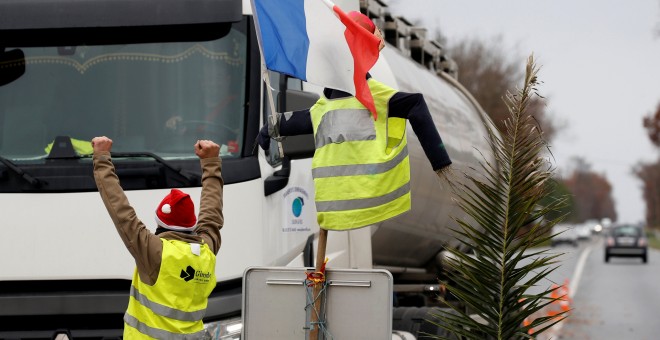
(357, 304)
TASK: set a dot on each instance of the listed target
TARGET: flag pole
(266, 78)
(314, 333)
(320, 261)
(273, 114)
(329, 3)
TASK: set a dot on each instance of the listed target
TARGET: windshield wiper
(35, 182)
(192, 180)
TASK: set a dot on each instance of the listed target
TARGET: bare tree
(652, 126)
(591, 191)
(649, 173)
(486, 69)
(650, 176)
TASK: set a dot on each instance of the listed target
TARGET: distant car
(597, 229)
(626, 241)
(583, 231)
(564, 233)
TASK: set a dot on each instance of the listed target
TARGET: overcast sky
(600, 64)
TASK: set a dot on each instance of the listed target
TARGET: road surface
(610, 301)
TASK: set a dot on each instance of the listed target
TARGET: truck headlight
(227, 329)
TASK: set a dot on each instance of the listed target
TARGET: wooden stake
(320, 259)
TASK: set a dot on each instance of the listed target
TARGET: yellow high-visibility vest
(361, 167)
(82, 147)
(174, 306)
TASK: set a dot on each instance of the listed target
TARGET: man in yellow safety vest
(175, 266)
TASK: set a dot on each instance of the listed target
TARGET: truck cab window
(293, 83)
(153, 97)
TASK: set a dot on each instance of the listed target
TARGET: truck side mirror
(294, 147)
(12, 66)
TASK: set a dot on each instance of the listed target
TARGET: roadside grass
(654, 241)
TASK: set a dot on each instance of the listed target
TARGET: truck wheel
(415, 321)
(644, 259)
(607, 258)
(401, 335)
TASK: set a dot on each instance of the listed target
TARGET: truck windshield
(152, 97)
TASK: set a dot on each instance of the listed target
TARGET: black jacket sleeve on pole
(291, 124)
(410, 106)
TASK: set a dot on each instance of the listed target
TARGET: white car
(564, 233)
(583, 231)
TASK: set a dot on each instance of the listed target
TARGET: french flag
(315, 41)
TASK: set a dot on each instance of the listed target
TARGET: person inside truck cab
(360, 166)
(175, 266)
(218, 114)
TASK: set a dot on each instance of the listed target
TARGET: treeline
(649, 173)
(486, 69)
(591, 194)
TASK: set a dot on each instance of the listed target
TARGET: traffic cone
(554, 307)
(565, 300)
(527, 321)
(561, 301)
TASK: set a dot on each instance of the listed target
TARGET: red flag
(364, 48)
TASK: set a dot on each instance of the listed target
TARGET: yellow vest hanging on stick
(360, 167)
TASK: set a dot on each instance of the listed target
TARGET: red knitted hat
(362, 20)
(176, 211)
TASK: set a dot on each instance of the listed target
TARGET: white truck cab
(155, 76)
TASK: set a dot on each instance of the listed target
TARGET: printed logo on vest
(190, 273)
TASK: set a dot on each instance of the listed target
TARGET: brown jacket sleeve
(211, 219)
(144, 246)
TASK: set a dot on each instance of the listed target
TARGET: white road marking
(554, 331)
(577, 274)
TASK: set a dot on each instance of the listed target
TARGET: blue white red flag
(315, 41)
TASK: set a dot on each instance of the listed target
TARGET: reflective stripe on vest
(342, 205)
(155, 332)
(167, 311)
(345, 126)
(174, 306)
(361, 167)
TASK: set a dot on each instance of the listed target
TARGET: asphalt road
(615, 300)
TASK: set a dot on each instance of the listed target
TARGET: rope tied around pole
(316, 278)
(316, 291)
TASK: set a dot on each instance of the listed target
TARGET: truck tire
(401, 335)
(415, 321)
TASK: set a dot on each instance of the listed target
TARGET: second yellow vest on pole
(361, 167)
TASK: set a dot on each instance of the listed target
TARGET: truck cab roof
(45, 14)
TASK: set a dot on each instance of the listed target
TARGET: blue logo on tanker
(297, 206)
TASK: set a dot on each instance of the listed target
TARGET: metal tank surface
(416, 237)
